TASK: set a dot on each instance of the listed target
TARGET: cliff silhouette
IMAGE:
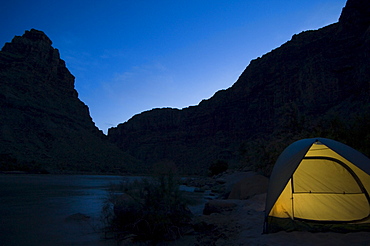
(316, 84)
(44, 126)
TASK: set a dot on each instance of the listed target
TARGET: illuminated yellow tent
(319, 184)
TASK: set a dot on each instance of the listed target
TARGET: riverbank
(65, 210)
(237, 222)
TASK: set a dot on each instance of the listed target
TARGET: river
(34, 209)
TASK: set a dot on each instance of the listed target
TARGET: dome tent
(319, 184)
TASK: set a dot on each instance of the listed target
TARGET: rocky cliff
(44, 126)
(316, 84)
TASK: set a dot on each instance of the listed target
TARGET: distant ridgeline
(44, 126)
(316, 84)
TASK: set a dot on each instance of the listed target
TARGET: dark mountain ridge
(316, 84)
(44, 126)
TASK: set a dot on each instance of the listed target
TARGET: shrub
(151, 209)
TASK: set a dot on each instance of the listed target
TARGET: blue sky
(129, 56)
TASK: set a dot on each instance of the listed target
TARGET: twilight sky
(129, 56)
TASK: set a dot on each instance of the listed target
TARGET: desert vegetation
(147, 209)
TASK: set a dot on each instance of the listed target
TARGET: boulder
(249, 187)
(218, 206)
(77, 217)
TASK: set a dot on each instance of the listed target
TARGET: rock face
(316, 84)
(43, 123)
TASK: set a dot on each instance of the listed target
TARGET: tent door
(326, 189)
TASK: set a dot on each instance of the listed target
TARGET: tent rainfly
(319, 184)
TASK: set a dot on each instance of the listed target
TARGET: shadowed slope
(315, 84)
(44, 126)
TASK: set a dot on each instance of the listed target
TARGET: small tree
(151, 209)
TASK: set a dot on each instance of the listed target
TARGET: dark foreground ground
(241, 223)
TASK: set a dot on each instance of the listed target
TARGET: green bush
(151, 209)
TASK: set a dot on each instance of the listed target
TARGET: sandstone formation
(316, 84)
(44, 126)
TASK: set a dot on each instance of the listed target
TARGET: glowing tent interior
(319, 184)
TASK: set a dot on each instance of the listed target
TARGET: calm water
(34, 208)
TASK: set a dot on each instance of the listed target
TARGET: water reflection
(33, 208)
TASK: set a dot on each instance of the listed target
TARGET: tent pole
(292, 187)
